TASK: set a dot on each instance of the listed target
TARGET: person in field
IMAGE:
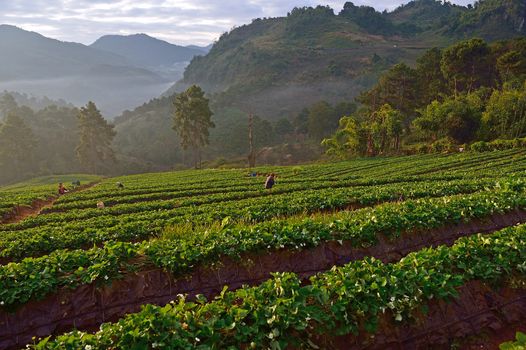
(269, 183)
(61, 188)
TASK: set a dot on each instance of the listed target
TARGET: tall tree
(347, 141)
(468, 65)
(397, 88)
(384, 129)
(505, 115)
(512, 66)
(301, 122)
(17, 147)
(192, 119)
(431, 82)
(283, 127)
(7, 105)
(322, 120)
(457, 118)
(96, 135)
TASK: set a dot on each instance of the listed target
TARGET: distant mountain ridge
(29, 55)
(146, 51)
(36, 65)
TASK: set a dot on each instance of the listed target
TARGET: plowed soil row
(88, 306)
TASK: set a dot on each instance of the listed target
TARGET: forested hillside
(301, 73)
(314, 53)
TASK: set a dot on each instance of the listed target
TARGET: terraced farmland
(407, 252)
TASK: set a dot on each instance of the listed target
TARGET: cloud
(177, 21)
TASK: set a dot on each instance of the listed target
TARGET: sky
(183, 22)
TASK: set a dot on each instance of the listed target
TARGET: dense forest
(426, 77)
(470, 91)
(53, 138)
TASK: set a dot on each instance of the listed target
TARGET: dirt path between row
(88, 306)
(21, 212)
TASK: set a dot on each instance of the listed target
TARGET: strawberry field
(366, 254)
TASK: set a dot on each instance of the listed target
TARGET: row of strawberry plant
(36, 277)
(282, 312)
(168, 207)
(25, 193)
(43, 239)
(435, 164)
(173, 182)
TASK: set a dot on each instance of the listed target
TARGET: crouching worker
(270, 181)
(62, 189)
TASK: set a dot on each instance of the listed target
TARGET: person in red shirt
(62, 189)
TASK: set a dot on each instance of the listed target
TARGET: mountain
(29, 55)
(144, 51)
(276, 66)
(33, 64)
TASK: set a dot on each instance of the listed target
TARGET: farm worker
(270, 181)
(100, 205)
(120, 185)
(62, 189)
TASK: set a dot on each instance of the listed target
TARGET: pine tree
(17, 147)
(192, 119)
(96, 134)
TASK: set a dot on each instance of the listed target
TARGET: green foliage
(192, 119)
(505, 115)
(96, 135)
(492, 19)
(23, 194)
(311, 54)
(512, 63)
(375, 22)
(498, 145)
(17, 149)
(281, 312)
(322, 120)
(179, 254)
(431, 82)
(443, 145)
(518, 344)
(456, 118)
(468, 65)
(397, 88)
(283, 127)
(347, 141)
(384, 128)
(378, 133)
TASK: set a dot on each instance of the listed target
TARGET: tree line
(66, 139)
(467, 92)
(53, 140)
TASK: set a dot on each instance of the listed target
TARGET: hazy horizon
(180, 22)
